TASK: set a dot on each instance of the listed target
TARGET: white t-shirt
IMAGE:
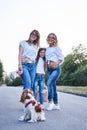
(30, 50)
(40, 66)
(54, 54)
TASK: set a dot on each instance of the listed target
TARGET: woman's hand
(53, 64)
(20, 67)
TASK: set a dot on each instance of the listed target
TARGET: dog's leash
(30, 102)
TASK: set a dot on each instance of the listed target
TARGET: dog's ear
(23, 95)
(22, 98)
(38, 108)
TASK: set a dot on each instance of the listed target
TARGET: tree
(79, 54)
(73, 70)
(1, 72)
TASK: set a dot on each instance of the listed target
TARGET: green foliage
(1, 72)
(7, 80)
(74, 68)
(79, 77)
(80, 55)
(16, 82)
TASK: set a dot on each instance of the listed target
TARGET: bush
(16, 82)
(79, 78)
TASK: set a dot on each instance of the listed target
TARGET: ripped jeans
(52, 76)
(39, 82)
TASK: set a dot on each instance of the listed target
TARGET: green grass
(73, 89)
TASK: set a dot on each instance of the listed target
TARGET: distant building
(13, 75)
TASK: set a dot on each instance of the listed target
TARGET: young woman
(40, 72)
(54, 58)
(26, 59)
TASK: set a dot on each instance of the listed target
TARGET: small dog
(33, 110)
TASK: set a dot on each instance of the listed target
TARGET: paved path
(72, 116)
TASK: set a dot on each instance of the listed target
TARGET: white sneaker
(56, 107)
(49, 106)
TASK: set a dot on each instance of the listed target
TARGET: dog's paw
(31, 121)
(21, 118)
(43, 119)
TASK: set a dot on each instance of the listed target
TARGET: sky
(66, 18)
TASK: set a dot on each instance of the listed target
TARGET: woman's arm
(54, 64)
(19, 57)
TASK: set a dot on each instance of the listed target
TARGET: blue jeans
(52, 76)
(39, 82)
(28, 76)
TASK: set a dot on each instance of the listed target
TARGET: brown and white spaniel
(33, 110)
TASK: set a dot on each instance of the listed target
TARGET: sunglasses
(33, 34)
(51, 37)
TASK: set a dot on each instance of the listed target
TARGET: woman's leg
(32, 71)
(55, 95)
(41, 89)
(35, 87)
(53, 75)
(56, 74)
(26, 80)
(49, 85)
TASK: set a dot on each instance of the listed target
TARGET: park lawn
(73, 89)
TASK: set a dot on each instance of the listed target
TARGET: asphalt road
(72, 116)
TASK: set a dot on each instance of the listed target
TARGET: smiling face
(33, 36)
(42, 53)
(52, 39)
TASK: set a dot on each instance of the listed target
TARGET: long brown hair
(38, 55)
(35, 42)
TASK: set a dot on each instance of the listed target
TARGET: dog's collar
(30, 102)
